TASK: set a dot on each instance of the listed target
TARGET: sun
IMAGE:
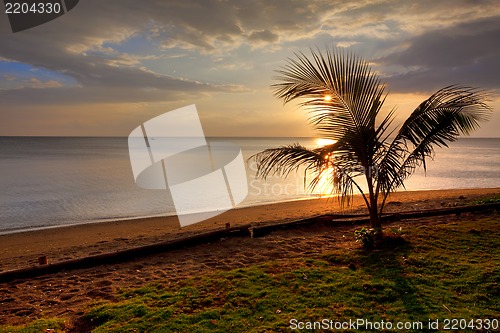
(327, 98)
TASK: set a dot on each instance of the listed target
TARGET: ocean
(56, 181)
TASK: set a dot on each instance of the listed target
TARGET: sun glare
(324, 186)
(320, 142)
(327, 98)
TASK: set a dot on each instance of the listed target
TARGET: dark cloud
(467, 53)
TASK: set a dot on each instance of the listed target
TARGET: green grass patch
(43, 325)
(440, 271)
(488, 200)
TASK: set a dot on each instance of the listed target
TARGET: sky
(108, 66)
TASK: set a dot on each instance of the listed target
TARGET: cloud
(346, 44)
(467, 53)
(37, 84)
(262, 36)
(404, 18)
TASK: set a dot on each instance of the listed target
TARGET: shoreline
(167, 215)
(172, 215)
(22, 249)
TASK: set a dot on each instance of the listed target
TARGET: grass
(53, 325)
(434, 272)
(488, 200)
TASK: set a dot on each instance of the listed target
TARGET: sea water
(55, 181)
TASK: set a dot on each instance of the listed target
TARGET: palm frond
(283, 160)
(355, 91)
(445, 115)
(437, 121)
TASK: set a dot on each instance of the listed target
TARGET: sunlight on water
(324, 186)
(320, 142)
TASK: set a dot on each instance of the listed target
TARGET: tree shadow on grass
(390, 286)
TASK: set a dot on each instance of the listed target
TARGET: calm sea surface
(49, 182)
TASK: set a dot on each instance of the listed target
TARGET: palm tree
(344, 98)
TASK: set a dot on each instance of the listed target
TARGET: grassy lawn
(435, 272)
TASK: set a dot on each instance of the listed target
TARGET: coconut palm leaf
(440, 119)
(356, 93)
(283, 160)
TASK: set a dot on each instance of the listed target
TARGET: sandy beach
(67, 293)
(20, 250)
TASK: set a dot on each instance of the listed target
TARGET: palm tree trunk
(375, 222)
